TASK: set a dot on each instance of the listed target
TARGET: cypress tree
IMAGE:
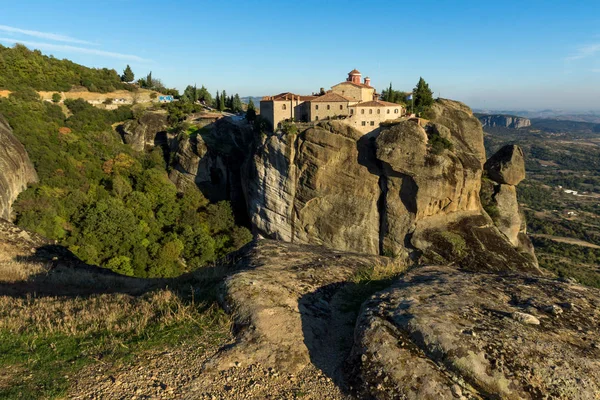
(422, 97)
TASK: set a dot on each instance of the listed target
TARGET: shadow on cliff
(329, 323)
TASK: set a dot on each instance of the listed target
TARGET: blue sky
(502, 54)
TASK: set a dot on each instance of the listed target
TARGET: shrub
(56, 98)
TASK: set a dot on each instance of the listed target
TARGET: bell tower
(354, 76)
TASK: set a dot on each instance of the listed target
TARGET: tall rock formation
(16, 170)
(412, 186)
(504, 121)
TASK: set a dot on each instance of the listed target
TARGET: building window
(396, 111)
(352, 111)
(378, 111)
(371, 111)
(283, 106)
(328, 107)
(362, 111)
(316, 117)
(316, 106)
(364, 123)
(388, 111)
(341, 106)
(372, 123)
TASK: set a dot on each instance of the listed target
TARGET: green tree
(128, 75)
(56, 97)
(217, 100)
(236, 106)
(149, 80)
(422, 97)
(204, 96)
(251, 112)
(222, 101)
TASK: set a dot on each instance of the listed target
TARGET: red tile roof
(287, 96)
(354, 71)
(330, 96)
(376, 103)
(361, 85)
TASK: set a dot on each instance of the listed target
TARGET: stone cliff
(503, 121)
(411, 187)
(16, 170)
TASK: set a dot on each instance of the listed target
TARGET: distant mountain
(504, 121)
(583, 116)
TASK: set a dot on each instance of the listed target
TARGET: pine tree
(149, 80)
(422, 97)
(217, 100)
(127, 75)
(251, 112)
(195, 94)
(237, 104)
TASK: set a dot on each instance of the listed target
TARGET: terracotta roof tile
(330, 96)
(362, 85)
(354, 71)
(376, 103)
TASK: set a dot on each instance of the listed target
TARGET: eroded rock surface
(440, 334)
(16, 169)
(507, 165)
(283, 303)
(149, 130)
(504, 121)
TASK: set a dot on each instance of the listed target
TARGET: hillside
(24, 68)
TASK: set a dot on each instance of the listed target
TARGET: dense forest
(23, 68)
(111, 206)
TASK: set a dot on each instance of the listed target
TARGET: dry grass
(114, 313)
(15, 271)
(380, 270)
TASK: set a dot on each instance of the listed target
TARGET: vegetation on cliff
(109, 205)
(24, 68)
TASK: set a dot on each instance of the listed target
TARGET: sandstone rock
(284, 303)
(16, 170)
(469, 240)
(149, 130)
(509, 217)
(316, 187)
(507, 166)
(410, 340)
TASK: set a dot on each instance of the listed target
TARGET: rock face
(507, 166)
(16, 170)
(439, 334)
(436, 332)
(504, 121)
(504, 171)
(213, 160)
(149, 130)
(333, 186)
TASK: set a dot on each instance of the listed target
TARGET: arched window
(362, 111)
(328, 107)
(352, 111)
(316, 117)
(396, 111)
(378, 111)
(371, 111)
(341, 106)
(388, 111)
(316, 106)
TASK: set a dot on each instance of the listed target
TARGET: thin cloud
(585, 51)
(75, 49)
(43, 35)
